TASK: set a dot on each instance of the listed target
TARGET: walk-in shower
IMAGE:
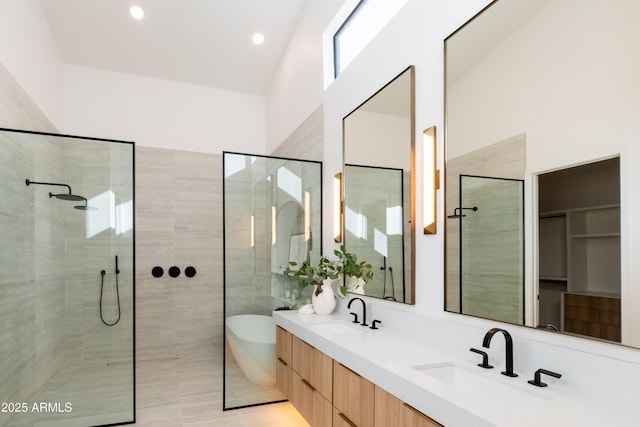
(66, 328)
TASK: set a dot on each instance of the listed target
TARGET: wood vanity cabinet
(305, 376)
(391, 412)
(353, 397)
(328, 394)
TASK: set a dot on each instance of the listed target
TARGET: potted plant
(321, 277)
(356, 274)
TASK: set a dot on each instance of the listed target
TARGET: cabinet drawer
(310, 403)
(353, 395)
(283, 378)
(284, 345)
(392, 412)
(314, 366)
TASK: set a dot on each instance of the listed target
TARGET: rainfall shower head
(457, 212)
(70, 197)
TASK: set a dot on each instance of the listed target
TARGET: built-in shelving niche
(579, 249)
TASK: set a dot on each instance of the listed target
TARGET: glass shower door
(491, 221)
(272, 215)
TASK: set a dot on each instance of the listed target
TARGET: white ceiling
(204, 42)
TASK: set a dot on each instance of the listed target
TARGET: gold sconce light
(431, 180)
(337, 207)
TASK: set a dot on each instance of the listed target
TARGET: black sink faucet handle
(355, 317)
(373, 324)
(485, 358)
(536, 377)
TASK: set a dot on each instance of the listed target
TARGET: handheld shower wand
(102, 273)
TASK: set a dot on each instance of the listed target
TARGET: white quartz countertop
(460, 393)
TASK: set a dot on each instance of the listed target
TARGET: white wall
(296, 90)
(414, 36)
(162, 113)
(29, 52)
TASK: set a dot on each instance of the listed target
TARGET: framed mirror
(379, 190)
(541, 112)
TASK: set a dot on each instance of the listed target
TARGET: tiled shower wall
(179, 320)
(32, 289)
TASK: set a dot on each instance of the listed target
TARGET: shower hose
(102, 274)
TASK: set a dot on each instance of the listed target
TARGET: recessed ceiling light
(258, 38)
(136, 12)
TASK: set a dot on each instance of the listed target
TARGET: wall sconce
(274, 227)
(307, 216)
(431, 180)
(253, 231)
(337, 207)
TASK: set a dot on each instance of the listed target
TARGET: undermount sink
(481, 384)
(337, 329)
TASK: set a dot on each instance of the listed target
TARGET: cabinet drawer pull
(347, 420)
(283, 362)
(305, 382)
(413, 409)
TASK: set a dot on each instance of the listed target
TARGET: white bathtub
(252, 339)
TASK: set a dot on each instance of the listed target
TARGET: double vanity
(427, 374)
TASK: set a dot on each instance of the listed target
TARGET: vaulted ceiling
(204, 42)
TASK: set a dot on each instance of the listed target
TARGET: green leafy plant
(307, 274)
(350, 267)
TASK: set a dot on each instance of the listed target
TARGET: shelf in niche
(559, 280)
(593, 235)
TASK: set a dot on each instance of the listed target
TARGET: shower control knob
(174, 271)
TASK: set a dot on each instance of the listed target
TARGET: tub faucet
(364, 310)
(508, 346)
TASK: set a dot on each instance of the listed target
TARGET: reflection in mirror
(379, 211)
(525, 102)
(579, 249)
(272, 215)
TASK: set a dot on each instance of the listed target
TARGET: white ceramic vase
(355, 285)
(325, 302)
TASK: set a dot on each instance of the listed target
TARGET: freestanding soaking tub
(252, 339)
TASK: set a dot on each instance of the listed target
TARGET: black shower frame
(224, 270)
(133, 276)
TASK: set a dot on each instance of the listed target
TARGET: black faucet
(536, 378)
(485, 358)
(364, 310)
(509, 348)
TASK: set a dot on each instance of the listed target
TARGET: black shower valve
(174, 271)
(190, 271)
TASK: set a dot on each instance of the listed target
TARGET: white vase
(355, 285)
(325, 301)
